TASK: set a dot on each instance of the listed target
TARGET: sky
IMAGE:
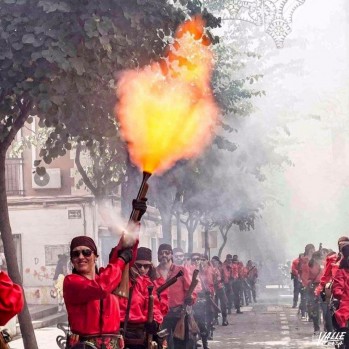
(313, 195)
(306, 112)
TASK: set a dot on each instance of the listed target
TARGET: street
(270, 323)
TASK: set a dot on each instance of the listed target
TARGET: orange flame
(167, 111)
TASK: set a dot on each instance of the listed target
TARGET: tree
(58, 61)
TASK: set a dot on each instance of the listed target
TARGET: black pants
(236, 288)
(313, 306)
(252, 289)
(303, 303)
(221, 297)
(296, 290)
(203, 316)
(229, 294)
(170, 323)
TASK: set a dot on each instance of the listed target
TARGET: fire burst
(167, 111)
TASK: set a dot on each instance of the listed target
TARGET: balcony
(14, 176)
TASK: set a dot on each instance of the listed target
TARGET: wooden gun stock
(123, 288)
(179, 331)
(3, 344)
(169, 283)
(194, 283)
(150, 315)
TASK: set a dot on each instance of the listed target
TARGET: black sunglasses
(166, 252)
(195, 259)
(85, 253)
(145, 266)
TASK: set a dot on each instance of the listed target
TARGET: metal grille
(14, 177)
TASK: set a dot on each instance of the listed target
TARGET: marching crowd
(321, 283)
(171, 305)
(134, 304)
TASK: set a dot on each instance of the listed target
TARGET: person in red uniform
(138, 324)
(219, 289)
(93, 311)
(296, 280)
(178, 256)
(340, 289)
(227, 279)
(236, 274)
(314, 276)
(251, 278)
(177, 296)
(303, 271)
(331, 265)
(11, 298)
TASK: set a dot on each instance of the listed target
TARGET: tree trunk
(129, 188)
(225, 238)
(25, 322)
(191, 224)
(179, 229)
(166, 215)
(207, 248)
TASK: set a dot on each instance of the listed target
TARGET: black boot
(204, 343)
(225, 321)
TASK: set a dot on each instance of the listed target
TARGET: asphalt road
(271, 323)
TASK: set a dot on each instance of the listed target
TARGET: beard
(164, 259)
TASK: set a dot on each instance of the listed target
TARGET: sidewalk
(45, 337)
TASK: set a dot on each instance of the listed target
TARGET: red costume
(251, 273)
(295, 268)
(11, 298)
(331, 266)
(314, 273)
(304, 270)
(218, 277)
(82, 299)
(236, 270)
(178, 291)
(207, 278)
(340, 289)
(139, 302)
(163, 297)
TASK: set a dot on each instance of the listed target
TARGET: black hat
(163, 247)
(195, 254)
(83, 241)
(229, 256)
(216, 258)
(143, 254)
(177, 249)
(345, 251)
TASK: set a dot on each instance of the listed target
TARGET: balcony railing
(14, 176)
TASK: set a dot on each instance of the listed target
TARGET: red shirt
(217, 277)
(331, 265)
(315, 273)
(236, 270)
(294, 268)
(139, 302)
(178, 291)
(11, 298)
(304, 270)
(163, 297)
(227, 272)
(252, 273)
(82, 299)
(207, 278)
(340, 290)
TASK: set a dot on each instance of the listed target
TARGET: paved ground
(265, 326)
(269, 324)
